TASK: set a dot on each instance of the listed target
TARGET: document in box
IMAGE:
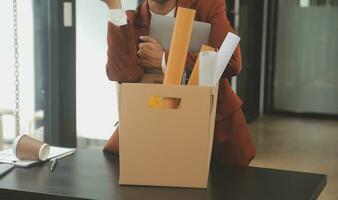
(7, 156)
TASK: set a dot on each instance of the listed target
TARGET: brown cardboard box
(152, 78)
(166, 147)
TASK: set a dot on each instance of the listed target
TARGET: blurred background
(288, 84)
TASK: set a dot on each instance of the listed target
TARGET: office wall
(306, 59)
(96, 96)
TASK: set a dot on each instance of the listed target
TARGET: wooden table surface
(92, 174)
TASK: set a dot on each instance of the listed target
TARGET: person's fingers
(146, 38)
(140, 51)
(144, 46)
(143, 54)
(144, 49)
(142, 62)
(140, 45)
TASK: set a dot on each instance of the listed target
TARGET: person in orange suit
(131, 52)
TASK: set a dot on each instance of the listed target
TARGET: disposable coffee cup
(28, 148)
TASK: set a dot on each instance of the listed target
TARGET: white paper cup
(207, 68)
(28, 148)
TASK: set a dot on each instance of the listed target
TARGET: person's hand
(113, 4)
(150, 52)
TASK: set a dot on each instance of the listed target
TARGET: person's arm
(220, 26)
(113, 4)
(122, 65)
(117, 15)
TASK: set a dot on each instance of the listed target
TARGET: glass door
(306, 61)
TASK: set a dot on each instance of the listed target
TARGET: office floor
(299, 144)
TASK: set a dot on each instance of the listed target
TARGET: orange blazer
(232, 141)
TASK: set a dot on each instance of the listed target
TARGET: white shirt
(118, 17)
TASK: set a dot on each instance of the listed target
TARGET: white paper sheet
(7, 156)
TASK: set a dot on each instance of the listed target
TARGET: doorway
(302, 69)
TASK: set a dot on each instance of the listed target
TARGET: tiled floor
(299, 144)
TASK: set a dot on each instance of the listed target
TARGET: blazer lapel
(143, 16)
(187, 3)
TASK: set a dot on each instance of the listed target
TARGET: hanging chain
(16, 70)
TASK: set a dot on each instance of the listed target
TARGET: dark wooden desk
(92, 174)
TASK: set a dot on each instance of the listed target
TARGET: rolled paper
(178, 51)
(207, 68)
(179, 46)
(225, 53)
(194, 77)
